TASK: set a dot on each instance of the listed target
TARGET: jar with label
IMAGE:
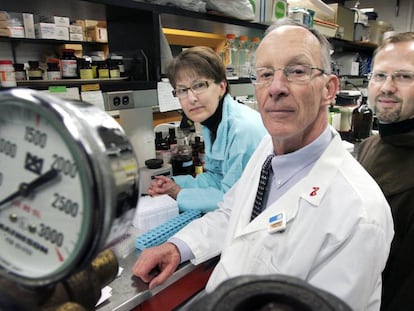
(103, 70)
(113, 69)
(35, 72)
(85, 69)
(119, 60)
(7, 75)
(95, 62)
(19, 72)
(53, 71)
(69, 64)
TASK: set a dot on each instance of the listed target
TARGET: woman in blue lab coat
(231, 130)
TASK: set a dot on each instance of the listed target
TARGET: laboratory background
(92, 77)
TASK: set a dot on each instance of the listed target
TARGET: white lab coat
(337, 237)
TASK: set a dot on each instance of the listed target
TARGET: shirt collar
(286, 166)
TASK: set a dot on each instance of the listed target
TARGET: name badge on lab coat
(277, 223)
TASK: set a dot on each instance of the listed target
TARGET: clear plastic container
(7, 75)
(230, 56)
(243, 70)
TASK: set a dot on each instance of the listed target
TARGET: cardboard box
(4, 32)
(45, 31)
(28, 23)
(60, 21)
(75, 36)
(344, 17)
(98, 34)
(4, 16)
(62, 33)
(16, 31)
(75, 29)
(76, 47)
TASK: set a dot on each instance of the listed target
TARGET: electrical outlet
(119, 100)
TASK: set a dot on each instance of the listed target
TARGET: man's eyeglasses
(197, 88)
(294, 73)
(398, 77)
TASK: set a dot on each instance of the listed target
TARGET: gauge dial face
(44, 215)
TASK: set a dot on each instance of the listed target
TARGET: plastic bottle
(243, 50)
(7, 75)
(53, 71)
(254, 42)
(230, 56)
(69, 64)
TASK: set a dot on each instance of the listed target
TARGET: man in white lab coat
(325, 219)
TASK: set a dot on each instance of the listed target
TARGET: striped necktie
(264, 176)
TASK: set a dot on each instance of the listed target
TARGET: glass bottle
(103, 70)
(171, 139)
(85, 69)
(243, 50)
(362, 118)
(198, 155)
(34, 72)
(113, 69)
(162, 150)
(95, 65)
(19, 72)
(53, 71)
(119, 61)
(181, 156)
(69, 64)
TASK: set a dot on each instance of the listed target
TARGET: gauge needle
(25, 189)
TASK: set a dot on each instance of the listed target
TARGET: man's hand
(155, 265)
(163, 185)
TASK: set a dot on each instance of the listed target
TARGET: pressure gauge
(68, 185)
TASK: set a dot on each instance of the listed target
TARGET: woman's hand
(163, 185)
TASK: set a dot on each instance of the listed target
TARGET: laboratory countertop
(128, 291)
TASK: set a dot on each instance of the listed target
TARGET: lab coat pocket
(271, 253)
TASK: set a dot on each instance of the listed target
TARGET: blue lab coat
(239, 133)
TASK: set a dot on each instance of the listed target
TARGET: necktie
(264, 176)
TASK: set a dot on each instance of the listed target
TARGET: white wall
(386, 12)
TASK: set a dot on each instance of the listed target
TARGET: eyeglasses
(300, 74)
(197, 88)
(398, 77)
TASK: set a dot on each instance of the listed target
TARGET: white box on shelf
(45, 31)
(28, 23)
(75, 29)
(62, 33)
(61, 21)
(75, 36)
